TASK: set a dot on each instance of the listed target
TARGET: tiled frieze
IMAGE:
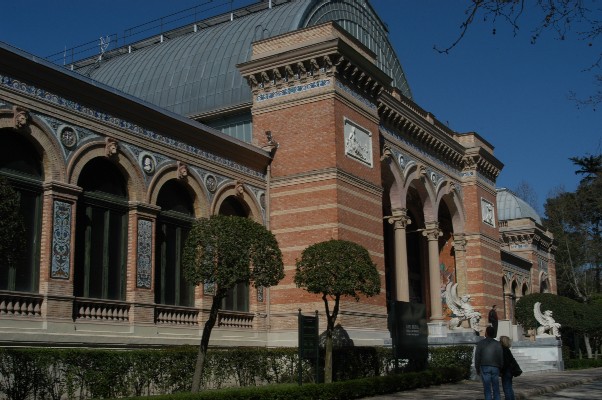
(61, 240)
(144, 261)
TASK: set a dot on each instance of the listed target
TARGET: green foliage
(81, 373)
(333, 269)
(457, 356)
(12, 228)
(582, 363)
(337, 268)
(353, 389)
(563, 309)
(228, 250)
(575, 219)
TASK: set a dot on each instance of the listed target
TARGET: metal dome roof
(510, 206)
(196, 72)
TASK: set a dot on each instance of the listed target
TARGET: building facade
(294, 113)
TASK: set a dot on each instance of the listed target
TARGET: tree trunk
(328, 356)
(330, 320)
(588, 346)
(202, 354)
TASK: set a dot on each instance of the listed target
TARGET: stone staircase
(530, 365)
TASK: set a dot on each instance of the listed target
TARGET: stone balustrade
(174, 315)
(235, 319)
(99, 309)
(20, 304)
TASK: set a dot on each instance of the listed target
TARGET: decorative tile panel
(61, 241)
(145, 242)
(293, 90)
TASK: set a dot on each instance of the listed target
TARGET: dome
(510, 206)
(196, 72)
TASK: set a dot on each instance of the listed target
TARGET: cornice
(423, 128)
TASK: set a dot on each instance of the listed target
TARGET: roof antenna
(104, 43)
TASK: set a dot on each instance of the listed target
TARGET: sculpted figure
(461, 308)
(110, 147)
(548, 325)
(21, 118)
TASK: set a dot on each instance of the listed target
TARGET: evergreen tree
(224, 251)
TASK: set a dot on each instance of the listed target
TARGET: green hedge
(576, 363)
(353, 389)
(81, 373)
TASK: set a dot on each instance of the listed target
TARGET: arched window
(173, 225)
(101, 232)
(21, 164)
(237, 298)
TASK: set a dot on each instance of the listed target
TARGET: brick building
(294, 113)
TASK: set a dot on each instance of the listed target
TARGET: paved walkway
(525, 387)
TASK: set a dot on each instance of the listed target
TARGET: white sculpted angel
(461, 308)
(548, 324)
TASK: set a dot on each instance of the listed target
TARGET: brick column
(57, 251)
(141, 254)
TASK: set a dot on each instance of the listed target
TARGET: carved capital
(399, 219)
(432, 231)
(111, 147)
(460, 242)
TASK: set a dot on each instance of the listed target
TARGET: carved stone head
(111, 147)
(21, 118)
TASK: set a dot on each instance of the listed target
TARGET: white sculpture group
(461, 307)
(549, 327)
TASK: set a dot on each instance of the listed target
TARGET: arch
(22, 166)
(45, 143)
(415, 177)
(241, 193)
(123, 160)
(392, 172)
(169, 172)
(173, 226)
(101, 233)
(448, 194)
(544, 282)
(524, 289)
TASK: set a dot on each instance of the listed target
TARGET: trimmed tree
(224, 251)
(334, 269)
(12, 228)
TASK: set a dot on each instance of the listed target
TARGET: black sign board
(409, 331)
(309, 341)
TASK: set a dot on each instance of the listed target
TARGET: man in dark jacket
(488, 360)
(492, 318)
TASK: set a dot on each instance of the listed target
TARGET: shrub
(82, 373)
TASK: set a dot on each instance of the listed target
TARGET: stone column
(400, 220)
(432, 232)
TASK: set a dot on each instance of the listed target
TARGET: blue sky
(511, 92)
